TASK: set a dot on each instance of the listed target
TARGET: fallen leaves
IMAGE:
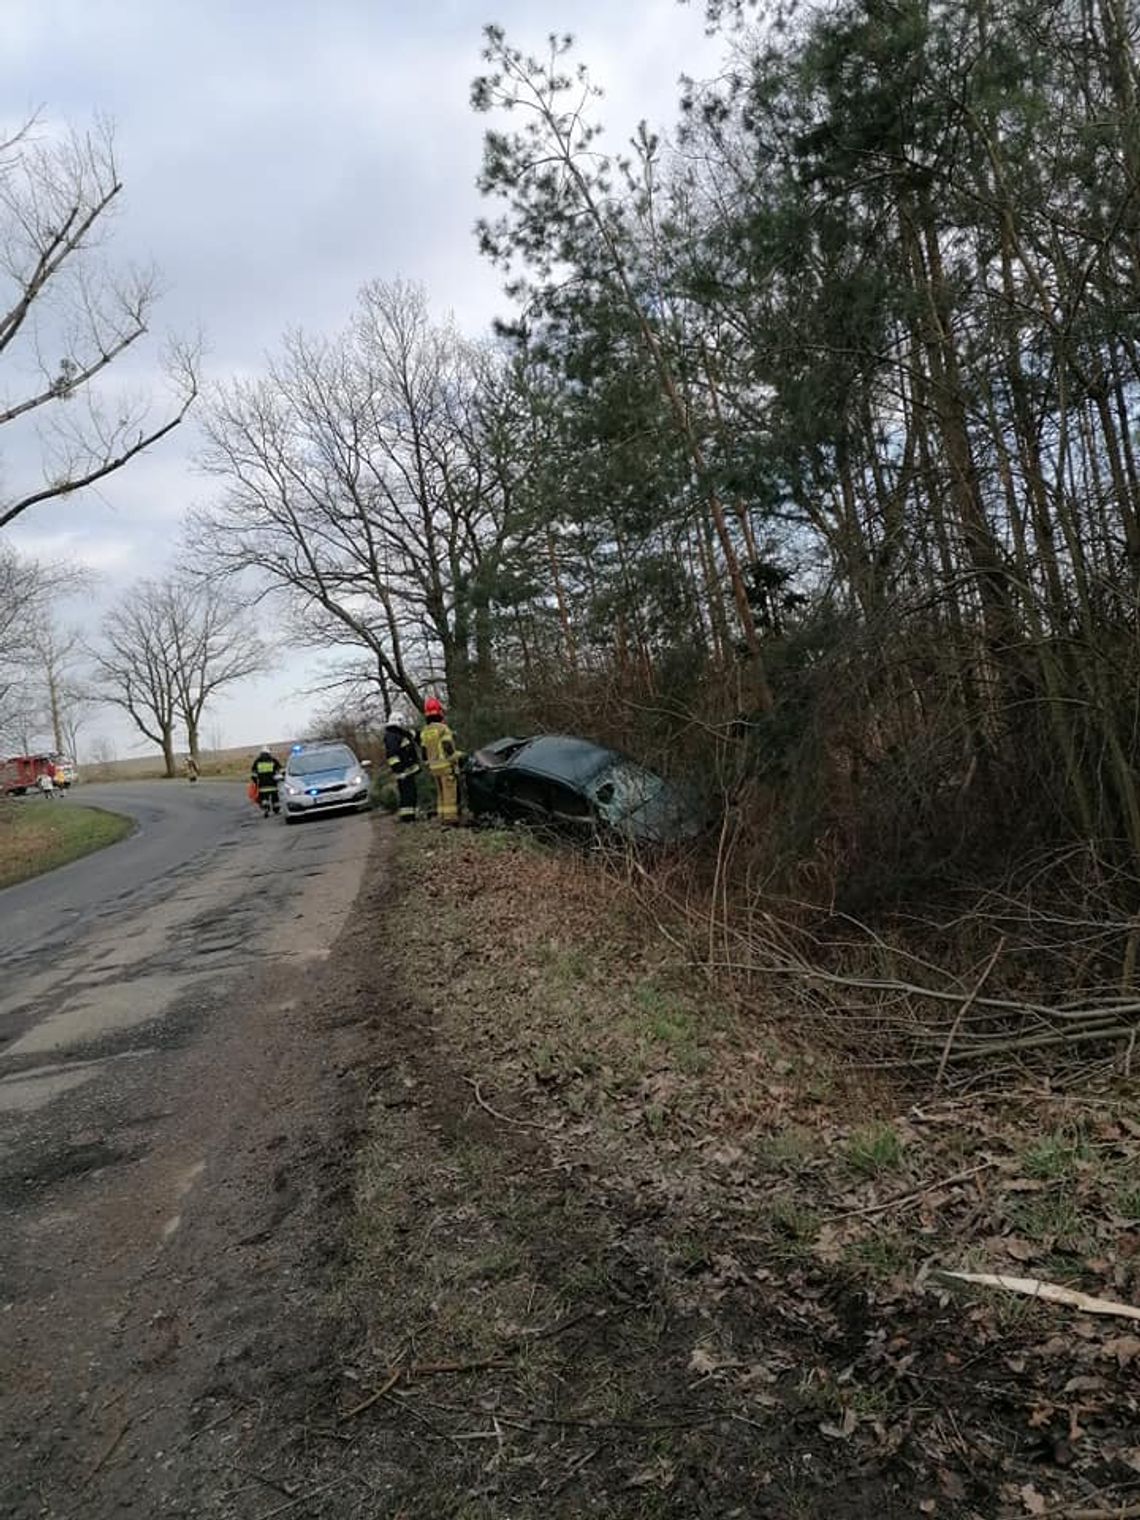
(1122, 1348)
(1034, 1501)
(782, 1279)
(844, 1430)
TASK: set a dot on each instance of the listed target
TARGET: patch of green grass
(1050, 1216)
(654, 1116)
(497, 841)
(874, 1150)
(669, 1021)
(568, 965)
(882, 1254)
(498, 1263)
(1057, 1155)
(786, 1148)
(38, 836)
(1128, 1203)
(795, 1225)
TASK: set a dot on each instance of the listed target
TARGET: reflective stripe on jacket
(439, 750)
(264, 772)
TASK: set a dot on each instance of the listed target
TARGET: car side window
(567, 803)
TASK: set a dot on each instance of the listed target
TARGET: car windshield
(623, 789)
(643, 805)
(310, 762)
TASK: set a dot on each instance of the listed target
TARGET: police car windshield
(309, 762)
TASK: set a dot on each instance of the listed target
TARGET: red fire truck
(22, 772)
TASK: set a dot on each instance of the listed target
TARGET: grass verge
(622, 1250)
(38, 836)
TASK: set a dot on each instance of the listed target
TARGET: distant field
(218, 762)
(36, 836)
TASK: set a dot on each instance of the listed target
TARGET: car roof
(563, 757)
(316, 745)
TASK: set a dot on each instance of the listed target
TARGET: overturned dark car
(574, 786)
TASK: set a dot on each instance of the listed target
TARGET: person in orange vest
(441, 755)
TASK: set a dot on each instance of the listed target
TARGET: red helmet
(433, 708)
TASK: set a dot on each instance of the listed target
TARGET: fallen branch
(375, 1397)
(900, 988)
(576, 1467)
(1034, 1287)
(964, 1010)
(314, 1493)
(899, 1203)
(494, 1112)
(434, 1369)
(108, 1451)
(421, 1369)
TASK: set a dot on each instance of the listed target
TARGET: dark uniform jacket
(401, 751)
(264, 771)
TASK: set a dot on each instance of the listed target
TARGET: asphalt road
(177, 825)
(102, 957)
(147, 1016)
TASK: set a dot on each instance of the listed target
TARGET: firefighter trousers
(406, 788)
(446, 795)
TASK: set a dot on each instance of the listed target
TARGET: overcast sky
(275, 156)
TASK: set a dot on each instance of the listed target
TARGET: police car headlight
(357, 780)
(293, 791)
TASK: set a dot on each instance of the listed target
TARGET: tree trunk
(560, 599)
(54, 703)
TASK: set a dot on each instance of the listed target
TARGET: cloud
(277, 156)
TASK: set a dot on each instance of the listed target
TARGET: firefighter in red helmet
(441, 755)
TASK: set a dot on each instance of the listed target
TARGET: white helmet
(396, 719)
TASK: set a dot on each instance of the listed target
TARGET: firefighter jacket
(439, 749)
(402, 754)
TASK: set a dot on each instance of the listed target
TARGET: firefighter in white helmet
(403, 758)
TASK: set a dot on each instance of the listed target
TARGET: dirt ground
(512, 1218)
(625, 1251)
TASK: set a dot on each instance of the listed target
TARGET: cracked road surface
(151, 1035)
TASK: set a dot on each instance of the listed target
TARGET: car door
(570, 810)
(525, 796)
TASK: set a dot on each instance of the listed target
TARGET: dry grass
(231, 762)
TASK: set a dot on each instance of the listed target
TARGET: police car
(324, 777)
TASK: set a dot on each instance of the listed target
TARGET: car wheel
(289, 821)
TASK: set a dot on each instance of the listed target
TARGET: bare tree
(27, 590)
(64, 696)
(167, 649)
(135, 666)
(66, 316)
(214, 644)
(353, 484)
